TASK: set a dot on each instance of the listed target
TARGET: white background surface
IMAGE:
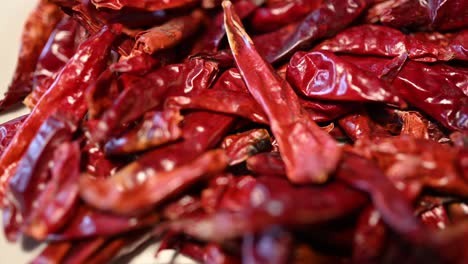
(12, 17)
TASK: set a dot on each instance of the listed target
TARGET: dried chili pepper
(110, 195)
(41, 22)
(150, 5)
(322, 75)
(8, 130)
(58, 50)
(298, 136)
(157, 128)
(169, 34)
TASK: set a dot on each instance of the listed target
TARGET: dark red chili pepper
(8, 130)
(82, 250)
(361, 126)
(331, 17)
(156, 128)
(370, 237)
(387, 199)
(184, 206)
(147, 92)
(298, 136)
(41, 22)
(438, 90)
(123, 199)
(222, 101)
(325, 76)
(412, 164)
(269, 163)
(427, 15)
(281, 13)
(213, 35)
(169, 34)
(88, 222)
(32, 169)
(53, 253)
(59, 197)
(58, 50)
(65, 95)
(273, 201)
(241, 146)
(150, 5)
(385, 41)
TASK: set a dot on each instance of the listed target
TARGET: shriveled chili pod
(298, 136)
(8, 130)
(169, 34)
(156, 128)
(58, 50)
(108, 195)
(60, 196)
(66, 95)
(323, 75)
(240, 146)
(41, 22)
(150, 5)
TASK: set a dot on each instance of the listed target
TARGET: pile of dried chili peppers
(301, 131)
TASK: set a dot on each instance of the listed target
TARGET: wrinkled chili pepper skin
(8, 130)
(148, 92)
(41, 22)
(432, 15)
(157, 128)
(65, 95)
(53, 253)
(170, 33)
(59, 196)
(431, 88)
(298, 136)
(387, 199)
(57, 51)
(360, 126)
(32, 168)
(105, 195)
(151, 5)
(88, 222)
(370, 237)
(386, 41)
(323, 75)
(269, 163)
(420, 163)
(279, 14)
(211, 39)
(273, 201)
(240, 146)
(325, 21)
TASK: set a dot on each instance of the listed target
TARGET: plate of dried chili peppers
(239, 132)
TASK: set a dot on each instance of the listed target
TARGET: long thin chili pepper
(310, 154)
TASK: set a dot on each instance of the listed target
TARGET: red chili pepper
(156, 128)
(370, 237)
(325, 76)
(298, 136)
(66, 95)
(8, 130)
(59, 197)
(123, 199)
(41, 22)
(169, 34)
(240, 146)
(58, 50)
(150, 5)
